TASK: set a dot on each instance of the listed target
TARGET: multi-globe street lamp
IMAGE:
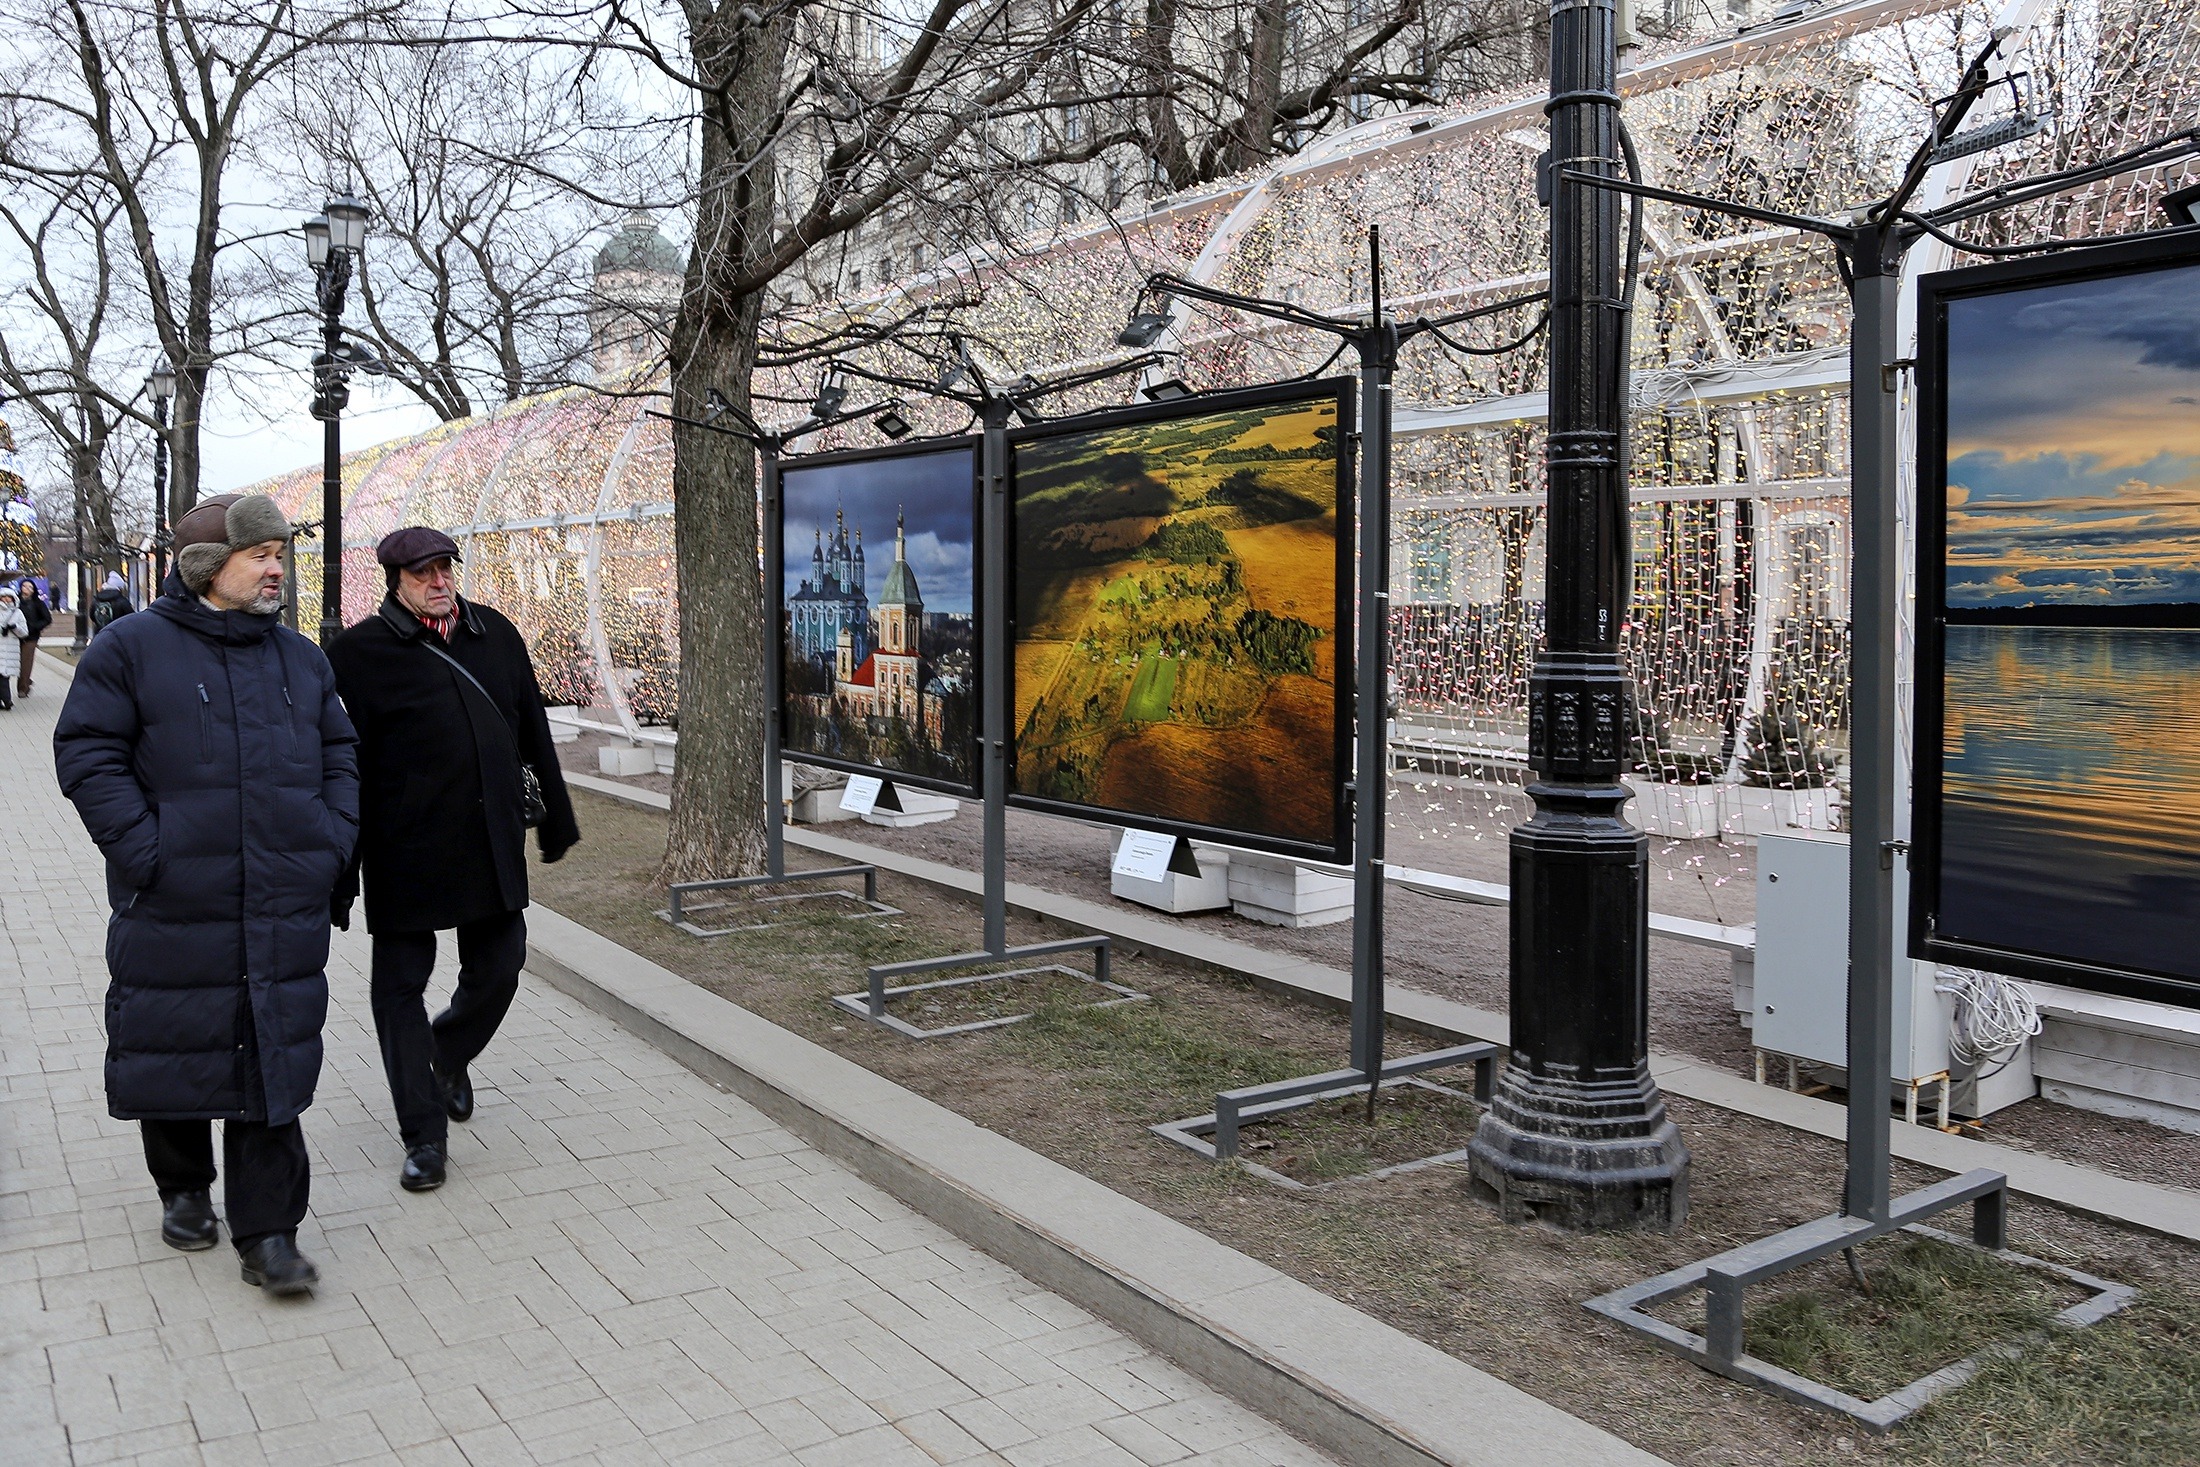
(160, 384)
(334, 239)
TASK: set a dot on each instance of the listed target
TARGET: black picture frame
(775, 535)
(1340, 390)
(1929, 850)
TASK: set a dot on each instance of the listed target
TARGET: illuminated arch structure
(1740, 377)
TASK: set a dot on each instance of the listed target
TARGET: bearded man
(203, 746)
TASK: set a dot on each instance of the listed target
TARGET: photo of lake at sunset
(2073, 444)
(2070, 817)
(2060, 729)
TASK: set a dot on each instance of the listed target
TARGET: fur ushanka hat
(220, 527)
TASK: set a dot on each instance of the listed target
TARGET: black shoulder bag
(533, 809)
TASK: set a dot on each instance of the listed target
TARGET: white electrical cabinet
(1802, 979)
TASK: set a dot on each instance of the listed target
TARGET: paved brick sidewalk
(627, 1264)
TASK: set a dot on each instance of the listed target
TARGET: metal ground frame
(1723, 1279)
(872, 1003)
(681, 908)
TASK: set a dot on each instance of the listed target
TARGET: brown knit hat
(220, 527)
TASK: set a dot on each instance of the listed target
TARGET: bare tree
(62, 231)
(483, 167)
(149, 102)
(1232, 84)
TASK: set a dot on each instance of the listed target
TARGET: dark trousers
(23, 672)
(490, 953)
(269, 1175)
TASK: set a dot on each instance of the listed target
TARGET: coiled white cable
(1993, 1016)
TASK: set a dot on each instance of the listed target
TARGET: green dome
(901, 587)
(638, 246)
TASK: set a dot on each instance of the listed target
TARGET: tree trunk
(183, 443)
(718, 789)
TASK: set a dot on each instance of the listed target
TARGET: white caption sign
(1144, 854)
(861, 795)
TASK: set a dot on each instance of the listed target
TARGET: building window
(1031, 138)
(1073, 122)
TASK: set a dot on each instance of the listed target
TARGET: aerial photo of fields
(1176, 619)
(2070, 826)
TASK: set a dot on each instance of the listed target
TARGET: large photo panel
(2059, 666)
(878, 612)
(1181, 593)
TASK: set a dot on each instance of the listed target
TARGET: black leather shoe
(275, 1264)
(458, 1094)
(187, 1222)
(423, 1168)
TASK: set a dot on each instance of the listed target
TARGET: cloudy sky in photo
(934, 491)
(2074, 444)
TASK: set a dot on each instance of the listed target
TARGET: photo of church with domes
(879, 642)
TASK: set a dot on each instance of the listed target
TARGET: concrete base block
(665, 753)
(918, 807)
(1280, 892)
(1207, 892)
(818, 807)
(625, 760)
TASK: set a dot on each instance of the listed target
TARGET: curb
(1368, 1394)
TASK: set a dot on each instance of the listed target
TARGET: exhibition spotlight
(1145, 327)
(2183, 205)
(890, 421)
(1018, 394)
(1169, 389)
(832, 397)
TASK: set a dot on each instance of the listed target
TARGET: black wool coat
(443, 837)
(35, 613)
(210, 760)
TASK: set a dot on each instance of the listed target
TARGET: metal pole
(775, 602)
(160, 493)
(1875, 580)
(332, 449)
(1577, 1133)
(993, 634)
(1378, 359)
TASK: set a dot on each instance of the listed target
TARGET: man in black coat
(205, 750)
(449, 715)
(37, 616)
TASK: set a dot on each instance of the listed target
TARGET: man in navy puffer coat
(206, 751)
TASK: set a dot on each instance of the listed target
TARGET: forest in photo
(1176, 599)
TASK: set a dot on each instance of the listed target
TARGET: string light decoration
(1738, 634)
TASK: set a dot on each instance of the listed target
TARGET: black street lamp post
(1577, 1133)
(333, 240)
(162, 385)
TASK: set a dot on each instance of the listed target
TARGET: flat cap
(415, 546)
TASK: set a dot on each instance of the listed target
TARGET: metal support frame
(1872, 246)
(1376, 341)
(1722, 1347)
(880, 988)
(775, 873)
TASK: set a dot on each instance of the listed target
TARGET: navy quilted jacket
(209, 757)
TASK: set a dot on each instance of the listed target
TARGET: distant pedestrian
(112, 603)
(38, 616)
(455, 762)
(205, 749)
(13, 629)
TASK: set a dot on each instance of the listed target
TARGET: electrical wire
(1994, 1016)
(1468, 349)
